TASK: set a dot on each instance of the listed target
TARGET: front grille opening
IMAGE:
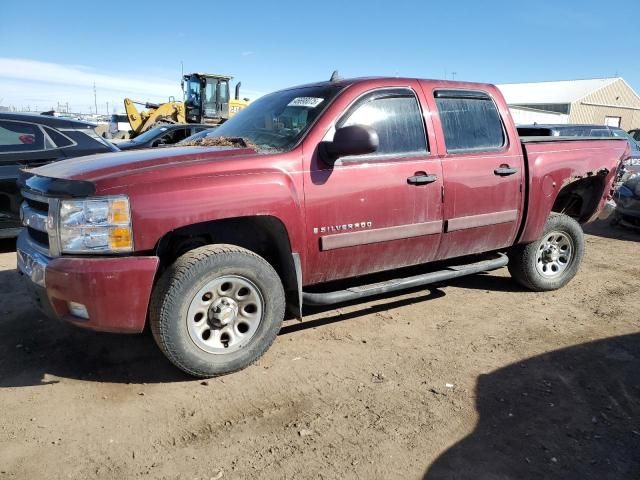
(40, 237)
(36, 205)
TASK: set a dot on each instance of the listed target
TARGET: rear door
(483, 173)
(371, 212)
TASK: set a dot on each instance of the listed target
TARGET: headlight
(96, 225)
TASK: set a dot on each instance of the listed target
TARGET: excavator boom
(171, 112)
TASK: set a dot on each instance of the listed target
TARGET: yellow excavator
(206, 100)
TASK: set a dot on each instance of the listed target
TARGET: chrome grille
(39, 214)
(34, 219)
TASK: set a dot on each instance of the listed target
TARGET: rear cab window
(470, 121)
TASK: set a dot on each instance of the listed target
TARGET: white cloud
(28, 82)
(25, 82)
(246, 53)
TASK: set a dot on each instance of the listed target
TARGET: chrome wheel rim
(555, 254)
(224, 315)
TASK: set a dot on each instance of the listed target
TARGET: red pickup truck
(331, 181)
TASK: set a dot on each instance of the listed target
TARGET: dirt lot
(475, 379)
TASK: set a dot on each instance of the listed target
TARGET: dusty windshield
(275, 122)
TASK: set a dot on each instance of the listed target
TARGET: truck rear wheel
(216, 310)
(551, 262)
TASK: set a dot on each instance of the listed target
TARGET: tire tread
(166, 292)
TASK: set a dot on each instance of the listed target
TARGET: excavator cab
(206, 100)
(206, 97)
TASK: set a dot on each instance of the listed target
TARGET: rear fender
(556, 169)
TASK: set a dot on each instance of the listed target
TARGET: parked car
(167, 134)
(119, 126)
(30, 140)
(341, 179)
(627, 199)
(631, 166)
(564, 130)
(196, 136)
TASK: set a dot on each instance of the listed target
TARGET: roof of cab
(345, 82)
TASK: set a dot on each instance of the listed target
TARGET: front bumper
(114, 290)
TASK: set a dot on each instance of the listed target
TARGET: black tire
(524, 264)
(179, 285)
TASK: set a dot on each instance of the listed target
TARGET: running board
(355, 293)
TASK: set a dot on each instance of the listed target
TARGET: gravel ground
(474, 379)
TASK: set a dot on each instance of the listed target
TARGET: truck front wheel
(216, 310)
(552, 261)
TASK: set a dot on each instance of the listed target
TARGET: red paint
(174, 187)
(116, 291)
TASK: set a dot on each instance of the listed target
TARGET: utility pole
(95, 98)
(453, 75)
(107, 108)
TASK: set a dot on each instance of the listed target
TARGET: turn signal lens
(119, 212)
(120, 238)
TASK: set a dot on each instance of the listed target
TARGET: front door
(483, 174)
(374, 212)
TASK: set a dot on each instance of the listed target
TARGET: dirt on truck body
(348, 178)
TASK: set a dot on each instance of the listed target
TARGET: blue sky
(53, 51)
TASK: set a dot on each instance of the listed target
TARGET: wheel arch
(265, 235)
(580, 198)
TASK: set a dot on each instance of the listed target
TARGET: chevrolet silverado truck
(311, 190)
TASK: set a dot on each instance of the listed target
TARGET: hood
(97, 167)
(129, 145)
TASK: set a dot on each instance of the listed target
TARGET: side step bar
(354, 293)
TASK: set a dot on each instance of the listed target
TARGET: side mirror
(155, 143)
(351, 140)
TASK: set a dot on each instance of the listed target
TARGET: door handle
(421, 178)
(505, 170)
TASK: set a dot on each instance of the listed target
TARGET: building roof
(564, 91)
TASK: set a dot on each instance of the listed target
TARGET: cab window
(470, 121)
(396, 117)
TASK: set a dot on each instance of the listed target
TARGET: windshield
(192, 92)
(149, 134)
(276, 122)
(195, 136)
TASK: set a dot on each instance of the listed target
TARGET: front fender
(172, 203)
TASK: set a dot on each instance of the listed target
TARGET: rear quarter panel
(553, 165)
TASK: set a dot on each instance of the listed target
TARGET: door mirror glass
(351, 140)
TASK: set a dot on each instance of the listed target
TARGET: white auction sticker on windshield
(310, 102)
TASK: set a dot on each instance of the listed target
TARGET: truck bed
(551, 163)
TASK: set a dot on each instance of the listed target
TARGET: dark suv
(30, 140)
